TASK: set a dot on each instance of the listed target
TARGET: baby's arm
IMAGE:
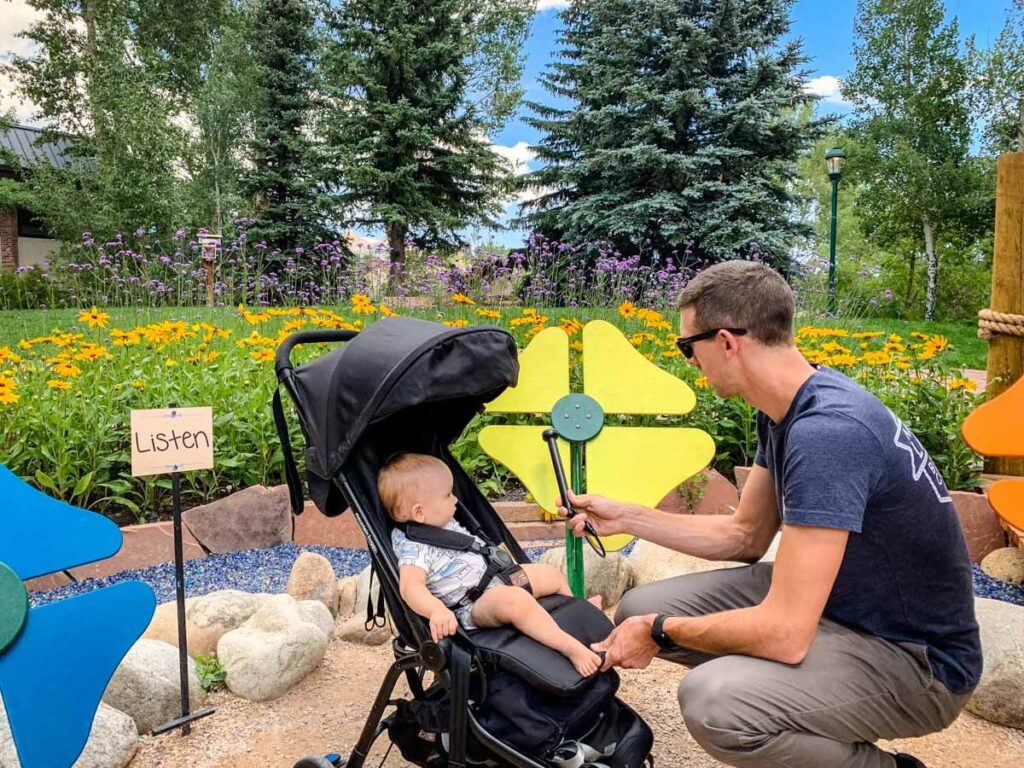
(412, 584)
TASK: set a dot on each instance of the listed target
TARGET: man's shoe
(908, 761)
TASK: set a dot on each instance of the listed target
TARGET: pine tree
(683, 128)
(416, 86)
(284, 181)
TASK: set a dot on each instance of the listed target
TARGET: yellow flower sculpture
(997, 429)
(639, 464)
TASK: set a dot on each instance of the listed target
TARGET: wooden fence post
(1006, 353)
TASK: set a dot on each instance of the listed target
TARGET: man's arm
(781, 628)
(743, 536)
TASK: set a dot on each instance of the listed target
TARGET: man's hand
(442, 624)
(630, 645)
(606, 515)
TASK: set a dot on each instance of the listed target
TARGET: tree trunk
(396, 248)
(932, 259)
(908, 300)
(89, 19)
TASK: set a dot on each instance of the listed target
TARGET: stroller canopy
(397, 363)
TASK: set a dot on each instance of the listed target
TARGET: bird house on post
(209, 245)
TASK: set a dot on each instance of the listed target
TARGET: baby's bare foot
(585, 660)
(597, 601)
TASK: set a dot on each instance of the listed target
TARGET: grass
(966, 349)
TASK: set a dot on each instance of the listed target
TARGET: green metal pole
(832, 249)
(573, 545)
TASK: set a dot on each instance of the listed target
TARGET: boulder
(316, 613)
(651, 563)
(312, 578)
(273, 650)
(981, 526)
(347, 589)
(1006, 564)
(112, 741)
(363, 592)
(707, 493)
(353, 630)
(999, 696)
(207, 618)
(252, 518)
(146, 685)
(608, 577)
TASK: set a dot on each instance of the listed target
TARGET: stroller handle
(283, 360)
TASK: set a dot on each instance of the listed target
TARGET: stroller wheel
(316, 761)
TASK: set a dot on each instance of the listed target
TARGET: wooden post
(1006, 353)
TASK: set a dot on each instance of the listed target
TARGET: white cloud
(828, 88)
(543, 5)
(17, 17)
(519, 155)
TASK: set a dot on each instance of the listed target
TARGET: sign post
(174, 440)
(209, 245)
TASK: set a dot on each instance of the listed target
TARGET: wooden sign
(166, 440)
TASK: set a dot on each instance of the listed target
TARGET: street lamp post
(834, 160)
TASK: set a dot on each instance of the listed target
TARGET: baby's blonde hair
(399, 479)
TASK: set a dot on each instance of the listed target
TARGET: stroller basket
(494, 696)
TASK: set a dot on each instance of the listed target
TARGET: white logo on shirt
(920, 464)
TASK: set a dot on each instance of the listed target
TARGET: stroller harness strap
(499, 563)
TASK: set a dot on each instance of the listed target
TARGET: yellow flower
(669, 353)
(65, 368)
(868, 334)
(461, 298)
(6, 354)
(8, 396)
(294, 325)
(576, 346)
(58, 384)
(125, 338)
(627, 309)
(262, 355)
(92, 353)
(702, 382)
(877, 358)
(967, 384)
(93, 318)
(138, 384)
(895, 338)
(25, 344)
(362, 304)
(570, 325)
(170, 362)
(387, 311)
(491, 314)
(456, 323)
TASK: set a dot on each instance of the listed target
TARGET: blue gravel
(986, 586)
(255, 570)
(267, 570)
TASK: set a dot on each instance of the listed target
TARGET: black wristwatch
(658, 634)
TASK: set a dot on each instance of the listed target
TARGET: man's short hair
(742, 294)
(399, 480)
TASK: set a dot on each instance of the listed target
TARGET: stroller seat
(485, 697)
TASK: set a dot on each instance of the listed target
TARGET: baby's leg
(513, 605)
(547, 580)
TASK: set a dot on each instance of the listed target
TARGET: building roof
(28, 148)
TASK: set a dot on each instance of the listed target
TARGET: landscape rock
(207, 618)
(363, 592)
(316, 613)
(347, 589)
(1006, 564)
(312, 578)
(982, 530)
(608, 577)
(706, 493)
(353, 630)
(113, 740)
(146, 685)
(651, 563)
(253, 518)
(999, 696)
(273, 650)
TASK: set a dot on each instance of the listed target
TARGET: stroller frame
(451, 660)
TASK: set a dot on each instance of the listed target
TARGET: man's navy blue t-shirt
(841, 459)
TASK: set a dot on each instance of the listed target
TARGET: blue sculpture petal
(53, 677)
(40, 534)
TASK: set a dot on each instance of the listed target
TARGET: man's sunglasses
(686, 343)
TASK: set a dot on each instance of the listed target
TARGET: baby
(415, 487)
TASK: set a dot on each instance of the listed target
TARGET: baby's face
(435, 500)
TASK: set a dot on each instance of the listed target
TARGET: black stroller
(488, 697)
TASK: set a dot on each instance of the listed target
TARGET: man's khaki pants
(849, 691)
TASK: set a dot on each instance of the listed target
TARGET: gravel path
(326, 711)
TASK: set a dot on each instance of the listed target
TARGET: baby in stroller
(449, 577)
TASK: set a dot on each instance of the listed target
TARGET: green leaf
(45, 481)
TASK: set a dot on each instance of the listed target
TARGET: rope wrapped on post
(991, 323)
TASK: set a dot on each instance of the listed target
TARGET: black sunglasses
(686, 344)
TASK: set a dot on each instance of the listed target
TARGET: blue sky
(825, 26)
